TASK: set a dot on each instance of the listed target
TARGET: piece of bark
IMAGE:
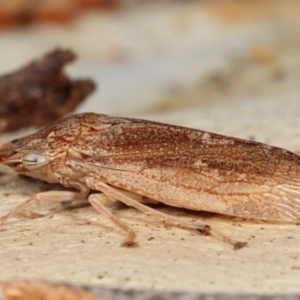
(40, 93)
(41, 290)
(23, 12)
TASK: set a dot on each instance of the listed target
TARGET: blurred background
(149, 58)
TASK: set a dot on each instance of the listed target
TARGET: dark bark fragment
(40, 93)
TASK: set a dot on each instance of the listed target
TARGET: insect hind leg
(97, 201)
(124, 197)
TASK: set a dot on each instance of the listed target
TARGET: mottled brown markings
(174, 165)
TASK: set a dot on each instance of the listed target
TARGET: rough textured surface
(88, 246)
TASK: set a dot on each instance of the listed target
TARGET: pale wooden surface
(81, 246)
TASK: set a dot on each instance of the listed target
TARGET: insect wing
(191, 168)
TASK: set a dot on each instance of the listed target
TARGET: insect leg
(121, 196)
(97, 201)
(45, 196)
(139, 198)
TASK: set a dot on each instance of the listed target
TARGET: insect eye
(33, 161)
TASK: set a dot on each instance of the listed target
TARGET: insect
(134, 160)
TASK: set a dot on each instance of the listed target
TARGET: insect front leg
(46, 196)
(124, 197)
